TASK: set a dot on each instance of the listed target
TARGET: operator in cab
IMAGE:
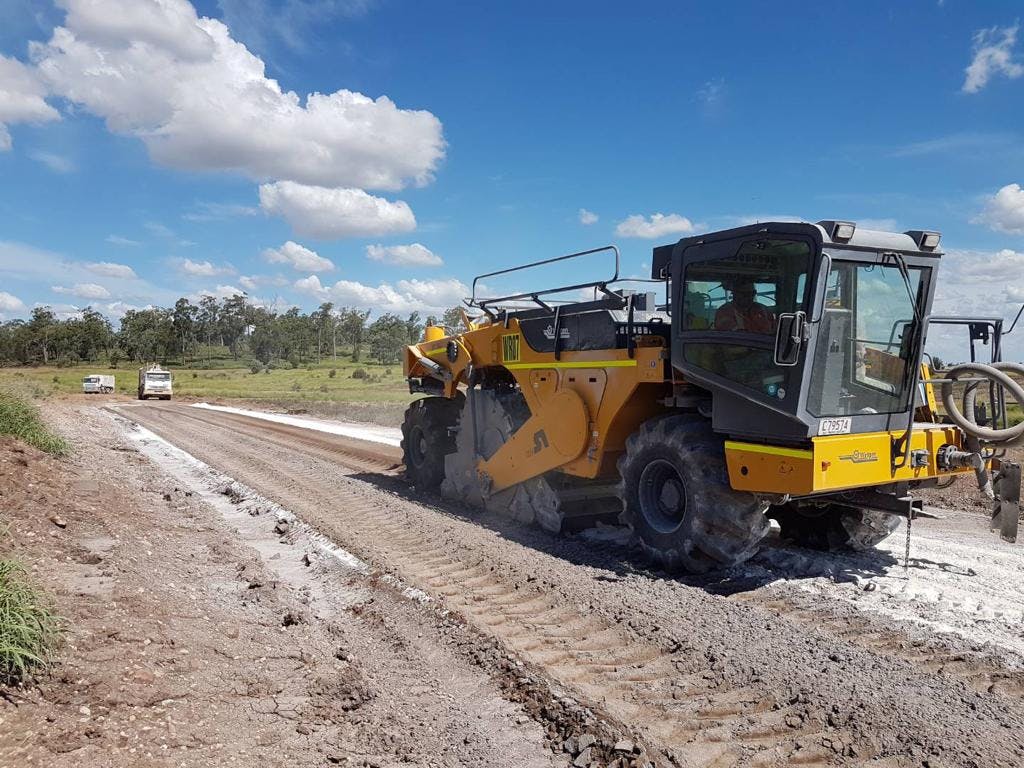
(744, 313)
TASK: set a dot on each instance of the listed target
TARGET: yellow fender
(555, 434)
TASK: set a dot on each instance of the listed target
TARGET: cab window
(743, 293)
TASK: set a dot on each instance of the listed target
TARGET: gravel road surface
(793, 659)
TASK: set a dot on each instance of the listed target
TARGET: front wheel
(427, 437)
(676, 497)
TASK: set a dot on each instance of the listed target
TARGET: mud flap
(1005, 516)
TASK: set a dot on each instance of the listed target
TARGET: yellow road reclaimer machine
(781, 377)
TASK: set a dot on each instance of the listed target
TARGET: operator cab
(800, 329)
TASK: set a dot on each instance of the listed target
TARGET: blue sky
(146, 137)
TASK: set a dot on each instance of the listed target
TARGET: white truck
(97, 384)
(154, 381)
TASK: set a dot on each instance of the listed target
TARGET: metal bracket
(1006, 514)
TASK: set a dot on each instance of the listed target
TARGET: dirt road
(789, 660)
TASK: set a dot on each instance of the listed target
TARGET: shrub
(21, 419)
(309, 367)
(28, 629)
(255, 367)
(56, 379)
(332, 373)
(323, 388)
(360, 373)
(195, 375)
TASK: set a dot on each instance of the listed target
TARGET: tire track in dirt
(698, 716)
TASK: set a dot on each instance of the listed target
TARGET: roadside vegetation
(19, 417)
(28, 627)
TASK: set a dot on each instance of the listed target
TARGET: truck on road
(154, 381)
(96, 383)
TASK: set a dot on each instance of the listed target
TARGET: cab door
(733, 295)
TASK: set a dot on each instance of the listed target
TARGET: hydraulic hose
(997, 372)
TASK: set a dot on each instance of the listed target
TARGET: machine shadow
(609, 547)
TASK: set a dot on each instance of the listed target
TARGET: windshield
(158, 376)
(865, 340)
(91, 379)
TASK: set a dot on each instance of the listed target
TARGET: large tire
(676, 497)
(831, 527)
(427, 439)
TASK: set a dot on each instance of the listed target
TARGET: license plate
(834, 426)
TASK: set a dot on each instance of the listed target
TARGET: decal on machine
(860, 457)
(510, 347)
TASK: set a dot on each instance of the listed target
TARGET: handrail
(533, 295)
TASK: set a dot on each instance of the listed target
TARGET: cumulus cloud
(414, 255)
(83, 291)
(10, 304)
(299, 257)
(587, 217)
(993, 55)
(22, 98)
(203, 268)
(326, 213)
(222, 292)
(658, 225)
(199, 100)
(1004, 211)
(110, 269)
(428, 296)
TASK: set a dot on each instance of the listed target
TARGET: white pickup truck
(96, 383)
(154, 381)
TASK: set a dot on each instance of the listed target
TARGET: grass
(20, 418)
(219, 380)
(28, 627)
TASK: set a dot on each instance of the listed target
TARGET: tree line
(188, 332)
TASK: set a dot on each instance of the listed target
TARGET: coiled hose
(996, 372)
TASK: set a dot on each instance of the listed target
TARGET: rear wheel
(831, 527)
(676, 496)
(427, 439)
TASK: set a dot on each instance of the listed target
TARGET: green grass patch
(28, 627)
(364, 382)
(20, 418)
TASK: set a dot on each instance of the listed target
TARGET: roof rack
(487, 304)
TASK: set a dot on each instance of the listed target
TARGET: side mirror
(789, 338)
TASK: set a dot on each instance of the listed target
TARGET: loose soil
(744, 668)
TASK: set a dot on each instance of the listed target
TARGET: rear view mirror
(789, 338)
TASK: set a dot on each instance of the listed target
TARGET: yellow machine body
(837, 462)
(585, 404)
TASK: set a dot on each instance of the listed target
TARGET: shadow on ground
(609, 548)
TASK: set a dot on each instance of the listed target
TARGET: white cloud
(122, 241)
(414, 255)
(56, 163)
(587, 217)
(110, 269)
(222, 292)
(253, 282)
(326, 213)
(203, 268)
(10, 304)
(967, 266)
(658, 225)
(199, 100)
(83, 291)
(299, 257)
(1004, 211)
(427, 296)
(993, 55)
(22, 98)
(249, 283)
(711, 96)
